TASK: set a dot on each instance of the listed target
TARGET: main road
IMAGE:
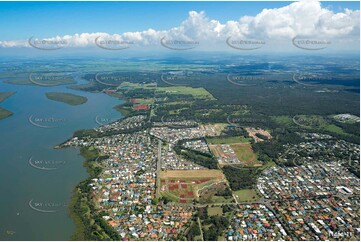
(159, 166)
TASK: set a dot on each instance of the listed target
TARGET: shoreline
(4, 113)
(79, 200)
(79, 232)
(88, 224)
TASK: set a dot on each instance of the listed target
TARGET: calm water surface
(33, 202)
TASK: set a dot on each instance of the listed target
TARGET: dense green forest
(241, 178)
(198, 157)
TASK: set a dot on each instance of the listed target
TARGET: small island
(67, 98)
(3, 112)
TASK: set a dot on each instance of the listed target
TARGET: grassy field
(245, 153)
(246, 195)
(240, 146)
(317, 122)
(131, 85)
(335, 129)
(227, 140)
(177, 103)
(309, 121)
(144, 100)
(312, 122)
(214, 211)
(199, 93)
(284, 120)
(67, 98)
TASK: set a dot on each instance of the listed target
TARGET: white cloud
(306, 18)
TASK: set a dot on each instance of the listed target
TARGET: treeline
(198, 157)
(193, 231)
(241, 178)
(235, 131)
(218, 226)
(227, 193)
(127, 109)
(354, 170)
(282, 98)
(270, 150)
(350, 128)
(267, 151)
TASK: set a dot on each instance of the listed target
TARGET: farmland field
(227, 140)
(309, 122)
(199, 93)
(191, 174)
(183, 185)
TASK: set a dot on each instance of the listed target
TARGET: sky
(206, 23)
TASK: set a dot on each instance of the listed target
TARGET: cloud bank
(306, 18)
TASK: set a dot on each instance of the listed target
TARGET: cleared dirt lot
(181, 174)
(252, 132)
(185, 185)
